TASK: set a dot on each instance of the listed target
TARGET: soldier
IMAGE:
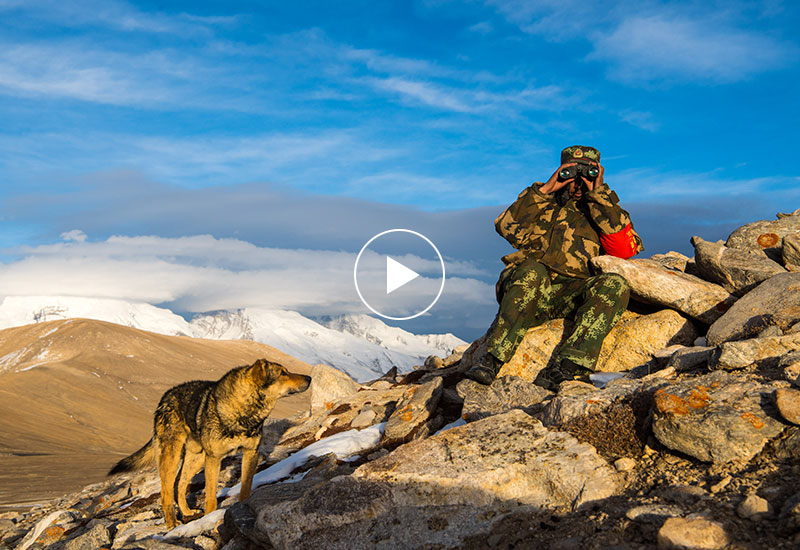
(557, 227)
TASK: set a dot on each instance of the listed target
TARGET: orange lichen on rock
(753, 419)
(698, 398)
(52, 534)
(768, 239)
(669, 403)
(406, 414)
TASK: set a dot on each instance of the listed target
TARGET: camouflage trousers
(529, 296)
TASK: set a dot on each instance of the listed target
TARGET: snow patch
(345, 445)
(197, 527)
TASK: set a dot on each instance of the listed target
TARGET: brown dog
(202, 421)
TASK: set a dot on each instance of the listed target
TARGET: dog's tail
(140, 459)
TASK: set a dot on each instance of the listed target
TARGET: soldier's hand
(598, 181)
(554, 184)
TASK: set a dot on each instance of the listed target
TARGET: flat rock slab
(653, 283)
(716, 418)
(736, 270)
(504, 394)
(434, 491)
(692, 534)
(504, 457)
(412, 413)
(775, 302)
(764, 351)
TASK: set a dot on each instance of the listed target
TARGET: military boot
(550, 377)
(485, 370)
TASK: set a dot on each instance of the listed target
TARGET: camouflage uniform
(548, 276)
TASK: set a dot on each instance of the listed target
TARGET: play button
(399, 274)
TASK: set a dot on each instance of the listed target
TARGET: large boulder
(329, 385)
(444, 488)
(765, 235)
(775, 302)
(764, 351)
(636, 339)
(509, 456)
(718, 417)
(536, 350)
(632, 342)
(737, 270)
(653, 283)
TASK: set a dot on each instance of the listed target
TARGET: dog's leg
(249, 463)
(192, 463)
(212, 475)
(168, 461)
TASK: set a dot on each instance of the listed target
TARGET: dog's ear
(265, 372)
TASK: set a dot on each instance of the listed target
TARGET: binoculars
(588, 171)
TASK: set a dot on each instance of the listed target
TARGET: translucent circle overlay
(369, 242)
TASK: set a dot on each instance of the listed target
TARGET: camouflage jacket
(564, 234)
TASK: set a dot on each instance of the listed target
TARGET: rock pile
(694, 444)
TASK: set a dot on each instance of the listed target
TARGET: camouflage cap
(579, 153)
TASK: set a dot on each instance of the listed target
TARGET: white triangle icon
(397, 275)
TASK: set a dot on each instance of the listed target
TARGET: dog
(202, 421)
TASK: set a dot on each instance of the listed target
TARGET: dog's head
(274, 378)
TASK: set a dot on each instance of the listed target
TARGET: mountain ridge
(360, 345)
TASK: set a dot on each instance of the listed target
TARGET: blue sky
(314, 125)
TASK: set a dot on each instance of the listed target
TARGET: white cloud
(75, 235)
(468, 100)
(202, 273)
(640, 119)
(661, 47)
(113, 14)
(484, 27)
(84, 72)
(645, 41)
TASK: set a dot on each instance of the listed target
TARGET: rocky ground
(694, 445)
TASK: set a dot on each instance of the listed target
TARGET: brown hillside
(76, 395)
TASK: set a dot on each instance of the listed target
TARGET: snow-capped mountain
(25, 310)
(394, 338)
(312, 342)
(360, 345)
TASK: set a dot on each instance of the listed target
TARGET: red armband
(621, 244)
